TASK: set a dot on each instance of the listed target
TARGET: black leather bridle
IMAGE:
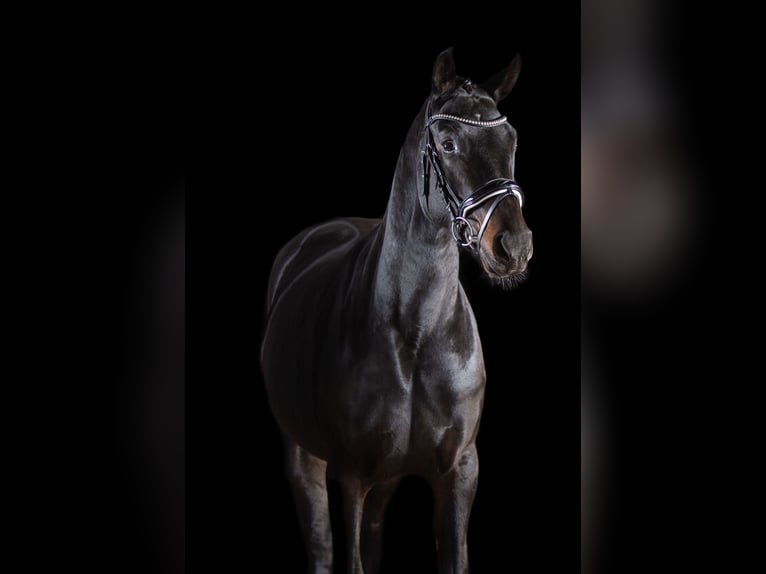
(497, 189)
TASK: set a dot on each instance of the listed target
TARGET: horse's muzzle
(511, 251)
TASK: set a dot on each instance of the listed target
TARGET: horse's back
(315, 245)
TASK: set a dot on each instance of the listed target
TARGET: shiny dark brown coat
(371, 355)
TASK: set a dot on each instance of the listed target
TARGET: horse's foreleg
(372, 525)
(453, 497)
(307, 475)
(353, 504)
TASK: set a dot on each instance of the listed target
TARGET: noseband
(497, 189)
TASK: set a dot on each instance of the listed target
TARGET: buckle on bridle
(462, 232)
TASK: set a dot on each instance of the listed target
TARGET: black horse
(371, 355)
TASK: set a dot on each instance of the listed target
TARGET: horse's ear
(443, 77)
(501, 84)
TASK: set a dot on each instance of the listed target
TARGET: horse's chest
(423, 412)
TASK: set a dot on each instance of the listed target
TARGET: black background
(283, 121)
(290, 119)
(310, 128)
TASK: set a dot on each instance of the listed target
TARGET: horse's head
(469, 158)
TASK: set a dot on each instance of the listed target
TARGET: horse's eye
(449, 146)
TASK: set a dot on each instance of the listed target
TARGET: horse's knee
(466, 470)
(468, 463)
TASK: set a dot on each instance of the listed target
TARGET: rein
(497, 189)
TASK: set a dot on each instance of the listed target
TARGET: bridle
(497, 189)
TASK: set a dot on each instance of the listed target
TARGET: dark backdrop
(100, 481)
(309, 127)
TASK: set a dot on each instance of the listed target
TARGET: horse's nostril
(501, 246)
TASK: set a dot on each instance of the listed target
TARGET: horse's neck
(417, 277)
